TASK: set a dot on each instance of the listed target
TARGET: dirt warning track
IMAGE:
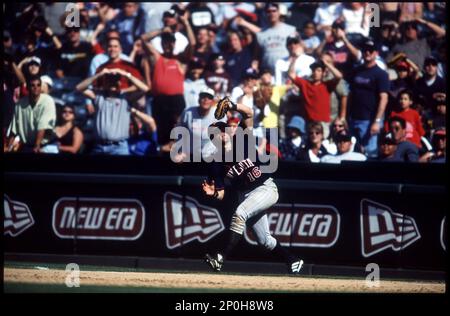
(219, 282)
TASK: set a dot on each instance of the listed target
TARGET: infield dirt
(220, 281)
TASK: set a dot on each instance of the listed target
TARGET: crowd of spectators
(116, 78)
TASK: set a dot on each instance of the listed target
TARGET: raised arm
(18, 71)
(245, 111)
(336, 73)
(83, 86)
(147, 119)
(149, 49)
(355, 52)
(189, 51)
(439, 31)
(55, 38)
(152, 34)
(138, 83)
(250, 26)
(291, 70)
(100, 27)
(321, 46)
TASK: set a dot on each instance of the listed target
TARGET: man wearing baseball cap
(369, 87)
(416, 48)
(302, 61)
(344, 152)
(272, 40)
(430, 84)
(196, 119)
(407, 73)
(74, 56)
(194, 82)
(169, 73)
(218, 78)
(170, 24)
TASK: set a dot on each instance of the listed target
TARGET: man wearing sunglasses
(369, 87)
(413, 45)
(74, 56)
(34, 119)
(197, 119)
(272, 40)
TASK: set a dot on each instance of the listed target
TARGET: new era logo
(296, 266)
(381, 229)
(191, 222)
(18, 217)
(301, 225)
(98, 218)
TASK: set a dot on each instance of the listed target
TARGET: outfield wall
(348, 215)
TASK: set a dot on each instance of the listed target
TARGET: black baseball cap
(338, 24)
(387, 139)
(169, 14)
(317, 64)
(250, 74)
(292, 40)
(369, 45)
(196, 63)
(430, 60)
(271, 5)
(215, 56)
(343, 137)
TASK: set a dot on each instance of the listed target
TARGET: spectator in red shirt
(114, 50)
(316, 92)
(414, 128)
(169, 71)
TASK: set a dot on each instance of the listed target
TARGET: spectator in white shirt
(326, 14)
(302, 63)
(344, 146)
(356, 19)
(194, 83)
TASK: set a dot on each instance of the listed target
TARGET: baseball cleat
(296, 266)
(215, 262)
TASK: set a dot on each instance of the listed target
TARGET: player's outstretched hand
(208, 188)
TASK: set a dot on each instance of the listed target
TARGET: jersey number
(254, 174)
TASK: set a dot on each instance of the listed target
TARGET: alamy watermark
(373, 10)
(218, 146)
(73, 275)
(373, 278)
(73, 15)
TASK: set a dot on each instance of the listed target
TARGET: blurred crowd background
(334, 85)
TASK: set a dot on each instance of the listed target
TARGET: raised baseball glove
(394, 60)
(222, 107)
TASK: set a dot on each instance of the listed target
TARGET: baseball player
(258, 192)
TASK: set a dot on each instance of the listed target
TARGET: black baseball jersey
(244, 175)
